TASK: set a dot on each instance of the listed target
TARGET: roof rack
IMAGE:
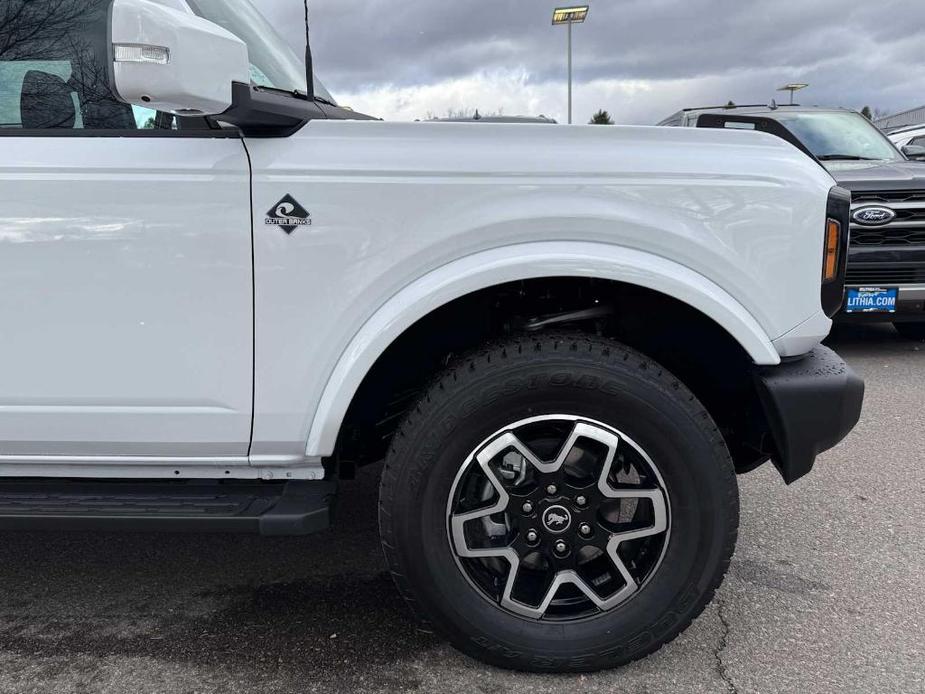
(729, 108)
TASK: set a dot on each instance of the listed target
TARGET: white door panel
(126, 304)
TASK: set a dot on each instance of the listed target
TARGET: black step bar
(266, 508)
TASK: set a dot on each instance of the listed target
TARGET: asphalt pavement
(826, 592)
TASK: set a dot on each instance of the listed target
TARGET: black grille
(888, 236)
(877, 275)
(908, 227)
(888, 196)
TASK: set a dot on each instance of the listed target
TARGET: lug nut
(581, 501)
(532, 536)
(584, 529)
(528, 507)
(552, 489)
(561, 547)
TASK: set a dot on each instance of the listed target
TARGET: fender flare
(509, 264)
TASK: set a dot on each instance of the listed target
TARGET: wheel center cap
(557, 519)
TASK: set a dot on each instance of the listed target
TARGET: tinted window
(54, 68)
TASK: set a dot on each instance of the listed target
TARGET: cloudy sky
(639, 59)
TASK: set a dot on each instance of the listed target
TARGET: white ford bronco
(220, 294)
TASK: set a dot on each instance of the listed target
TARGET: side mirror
(168, 59)
(914, 152)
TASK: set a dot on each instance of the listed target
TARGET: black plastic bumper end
(810, 406)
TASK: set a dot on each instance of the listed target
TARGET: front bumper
(810, 405)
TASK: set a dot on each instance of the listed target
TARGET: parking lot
(826, 591)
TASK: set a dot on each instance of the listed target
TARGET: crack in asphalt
(721, 669)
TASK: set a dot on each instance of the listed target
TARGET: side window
(920, 141)
(54, 69)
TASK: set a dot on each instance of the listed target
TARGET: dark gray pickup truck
(886, 256)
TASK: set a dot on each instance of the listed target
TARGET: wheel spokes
(582, 430)
(565, 504)
(562, 578)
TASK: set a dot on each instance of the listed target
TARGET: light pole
(795, 87)
(570, 15)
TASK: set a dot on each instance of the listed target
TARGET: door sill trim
(148, 467)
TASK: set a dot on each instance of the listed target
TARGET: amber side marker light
(832, 237)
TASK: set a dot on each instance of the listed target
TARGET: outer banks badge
(288, 215)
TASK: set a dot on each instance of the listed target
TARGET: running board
(269, 508)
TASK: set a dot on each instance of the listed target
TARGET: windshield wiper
(297, 93)
(844, 157)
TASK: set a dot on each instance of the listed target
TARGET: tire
(553, 383)
(911, 331)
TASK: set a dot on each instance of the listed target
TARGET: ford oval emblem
(874, 216)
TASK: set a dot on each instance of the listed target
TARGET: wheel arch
(523, 262)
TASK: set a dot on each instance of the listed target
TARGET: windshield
(833, 136)
(321, 92)
(273, 63)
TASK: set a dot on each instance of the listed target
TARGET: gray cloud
(854, 52)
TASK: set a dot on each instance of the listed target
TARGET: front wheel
(558, 504)
(911, 331)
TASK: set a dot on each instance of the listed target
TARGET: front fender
(522, 262)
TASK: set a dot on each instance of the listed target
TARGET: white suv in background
(913, 135)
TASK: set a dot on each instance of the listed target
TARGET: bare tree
(71, 32)
(34, 27)
(465, 114)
